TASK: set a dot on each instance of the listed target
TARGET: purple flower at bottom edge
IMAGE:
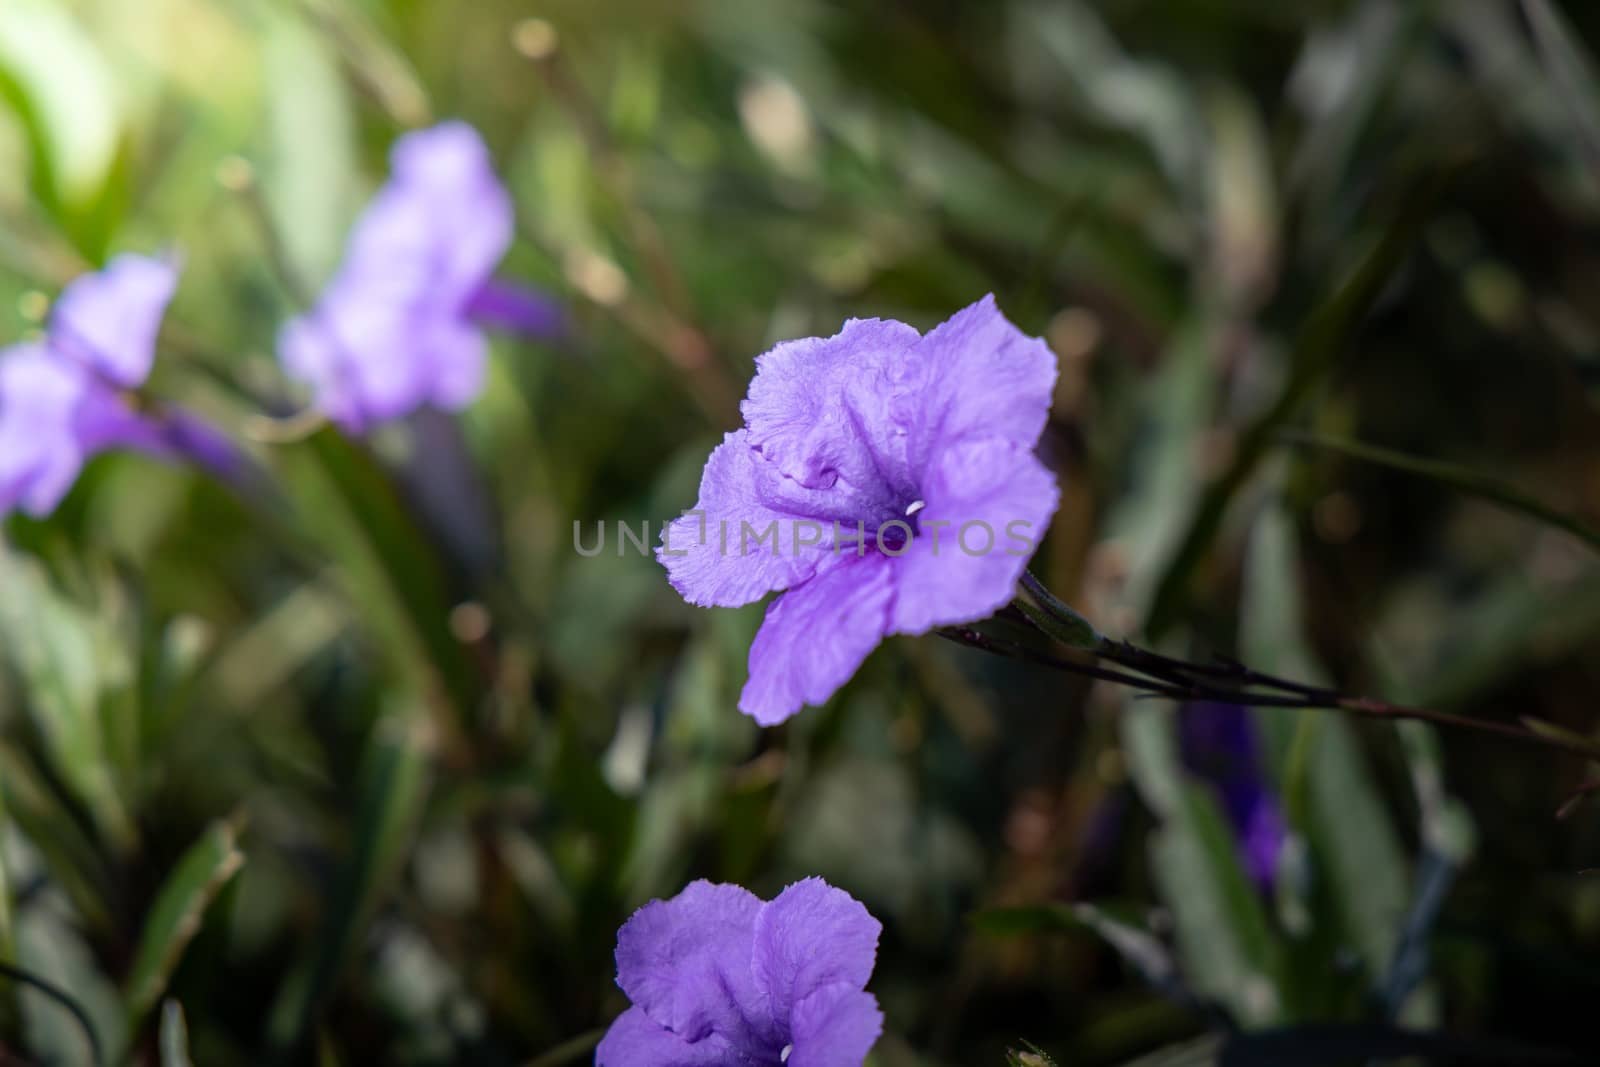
(398, 327)
(61, 399)
(1221, 745)
(718, 978)
(920, 448)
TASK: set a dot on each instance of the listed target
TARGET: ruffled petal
(634, 1040)
(746, 535)
(811, 937)
(979, 376)
(685, 962)
(817, 634)
(824, 411)
(988, 503)
(836, 1026)
(109, 319)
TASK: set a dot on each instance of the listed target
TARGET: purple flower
(896, 474)
(397, 328)
(63, 399)
(720, 979)
(1221, 745)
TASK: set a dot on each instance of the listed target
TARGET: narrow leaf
(176, 916)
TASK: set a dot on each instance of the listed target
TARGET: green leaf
(1317, 350)
(174, 1036)
(1461, 479)
(56, 79)
(394, 785)
(1227, 949)
(67, 658)
(388, 565)
(1571, 70)
(46, 820)
(175, 917)
(310, 181)
(1331, 798)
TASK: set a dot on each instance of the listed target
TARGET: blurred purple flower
(720, 979)
(64, 399)
(397, 328)
(910, 436)
(1220, 744)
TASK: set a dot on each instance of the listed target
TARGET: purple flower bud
(63, 399)
(397, 329)
(897, 470)
(1221, 745)
(719, 978)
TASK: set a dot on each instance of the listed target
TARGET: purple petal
(713, 560)
(369, 362)
(816, 635)
(824, 411)
(109, 319)
(195, 439)
(981, 377)
(438, 228)
(988, 503)
(836, 1026)
(311, 352)
(636, 1041)
(685, 962)
(457, 360)
(517, 309)
(812, 936)
(40, 455)
(391, 334)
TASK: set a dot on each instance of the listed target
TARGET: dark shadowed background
(371, 769)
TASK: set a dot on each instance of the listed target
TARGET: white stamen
(783, 1057)
(916, 506)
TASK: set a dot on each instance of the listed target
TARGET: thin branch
(1227, 681)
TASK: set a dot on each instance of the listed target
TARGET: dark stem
(1222, 679)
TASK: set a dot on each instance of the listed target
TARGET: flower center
(783, 1057)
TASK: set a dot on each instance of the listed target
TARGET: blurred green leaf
(46, 819)
(68, 658)
(1456, 477)
(1318, 348)
(394, 783)
(176, 915)
(1228, 951)
(1572, 71)
(387, 563)
(55, 77)
(311, 182)
(1332, 798)
(50, 947)
(174, 1039)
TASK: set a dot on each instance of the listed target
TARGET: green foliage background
(369, 768)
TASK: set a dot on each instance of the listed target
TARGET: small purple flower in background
(64, 399)
(398, 327)
(1220, 744)
(878, 425)
(720, 979)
